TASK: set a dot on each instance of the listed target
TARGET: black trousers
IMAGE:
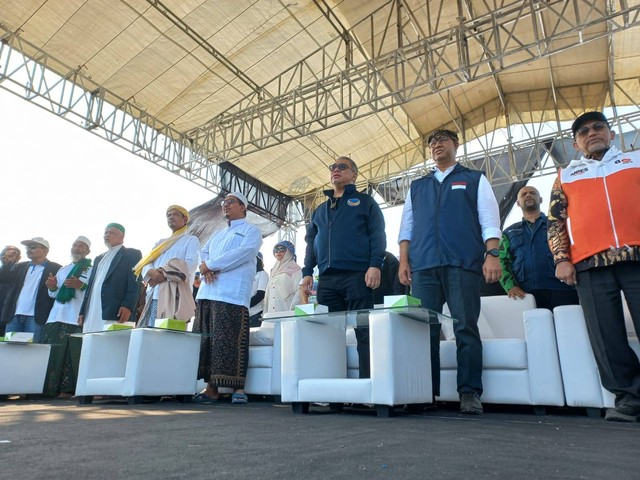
(599, 290)
(551, 299)
(346, 290)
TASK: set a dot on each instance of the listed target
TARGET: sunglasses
(340, 166)
(439, 139)
(596, 127)
(231, 201)
(279, 249)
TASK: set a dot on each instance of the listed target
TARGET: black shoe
(623, 413)
(470, 404)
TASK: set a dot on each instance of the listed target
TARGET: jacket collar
(348, 189)
(610, 155)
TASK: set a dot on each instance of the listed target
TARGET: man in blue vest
(449, 238)
(527, 262)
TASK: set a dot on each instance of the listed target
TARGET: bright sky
(59, 181)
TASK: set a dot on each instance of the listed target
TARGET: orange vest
(603, 203)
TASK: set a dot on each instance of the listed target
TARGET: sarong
(224, 350)
(64, 359)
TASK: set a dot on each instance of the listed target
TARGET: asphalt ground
(263, 440)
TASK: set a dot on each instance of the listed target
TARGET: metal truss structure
(348, 79)
(542, 151)
(304, 99)
(25, 71)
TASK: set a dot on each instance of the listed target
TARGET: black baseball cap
(585, 117)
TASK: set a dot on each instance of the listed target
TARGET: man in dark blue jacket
(527, 262)
(449, 239)
(346, 240)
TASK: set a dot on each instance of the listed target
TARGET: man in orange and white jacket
(594, 235)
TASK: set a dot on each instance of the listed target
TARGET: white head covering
(83, 239)
(240, 197)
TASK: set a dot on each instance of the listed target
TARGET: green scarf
(65, 293)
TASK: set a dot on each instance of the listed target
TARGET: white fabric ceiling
(135, 52)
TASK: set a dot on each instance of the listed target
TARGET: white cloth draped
(93, 321)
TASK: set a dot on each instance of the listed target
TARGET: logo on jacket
(624, 161)
(458, 185)
(579, 172)
(353, 202)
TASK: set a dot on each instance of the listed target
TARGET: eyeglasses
(279, 249)
(33, 247)
(231, 201)
(595, 126)
(439, 139)
(340, 166)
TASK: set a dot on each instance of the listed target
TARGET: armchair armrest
(161, 362)
(310, 350)
(400, 360)
(545, 378)
(104, 355)
(580, 375)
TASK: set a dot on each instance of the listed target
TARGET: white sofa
(263, 372)
(264, 369)
(23, 367)
(314, 364)
(520, 357)
(137, 362)
(580, 375)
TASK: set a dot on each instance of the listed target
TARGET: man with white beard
(67, 287)
(113, 291)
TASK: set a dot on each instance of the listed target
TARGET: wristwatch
(494, 252)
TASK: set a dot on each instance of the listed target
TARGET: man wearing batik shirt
(594, 235)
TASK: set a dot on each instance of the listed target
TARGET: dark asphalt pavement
(262, 440)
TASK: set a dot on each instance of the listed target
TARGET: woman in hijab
(284, 279)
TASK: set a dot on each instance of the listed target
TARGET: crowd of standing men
(450, 240)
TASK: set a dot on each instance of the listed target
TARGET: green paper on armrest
(309, 309)
(401, 301)
(171, 324)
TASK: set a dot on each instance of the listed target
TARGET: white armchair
(23, 367)
(314, 364)
(520, 357)
(137, 362)
(580, 375)
(263, 372)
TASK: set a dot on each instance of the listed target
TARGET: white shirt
(260, 281)
(67, 312)
(488, 211)
(26, 303)
(232, 252)
(185, 248)
(93, 321)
